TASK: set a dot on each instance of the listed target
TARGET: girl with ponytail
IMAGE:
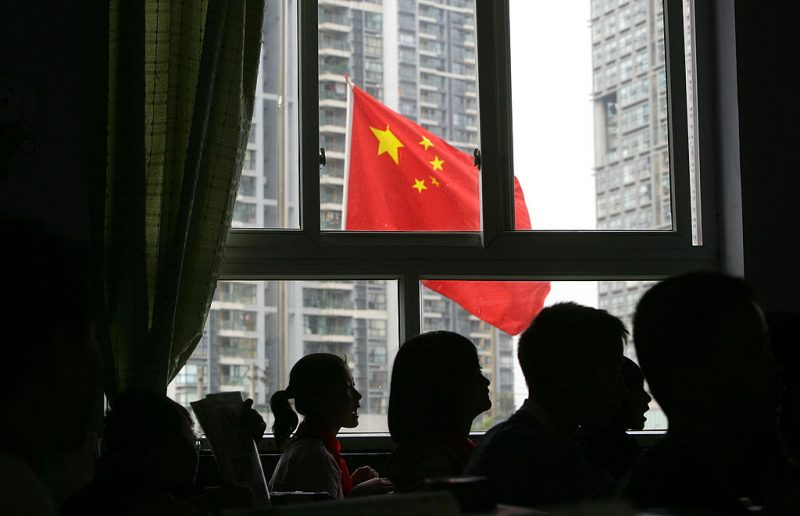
(324, 394)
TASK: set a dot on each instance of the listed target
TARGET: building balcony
(330, 206)
(335, 52)
(343, 311)
(329, 284)
(332, 75)
(330, 180)
(224, 386)
(334, 129)
(334, 23)
(340, 339)
(333, 103)
(232, 359)
(330, 154)
(227, 332)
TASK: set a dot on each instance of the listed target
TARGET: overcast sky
(551, 74)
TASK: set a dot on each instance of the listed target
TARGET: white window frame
(498, 252)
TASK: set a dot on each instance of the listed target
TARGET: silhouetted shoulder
(440, 456)
(671, 475)
(528, 465)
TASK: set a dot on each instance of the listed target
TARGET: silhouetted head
(153, 436)
(636, 402)
(323, 392)
(437, 386)
(571, 357)
(50, 369)
(702, 345)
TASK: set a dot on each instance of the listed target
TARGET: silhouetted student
(612, 448)
(571, 357)
(702, 345)
(784, 331)
(437, 391)
(323, 392)
(49, 367)
(150, 461)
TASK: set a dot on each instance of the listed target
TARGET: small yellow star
(419, 185)
(426, 143)
(437, 163)
(434, 181)
(388, 143)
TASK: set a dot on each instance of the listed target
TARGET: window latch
(476, 158)
(322, 160)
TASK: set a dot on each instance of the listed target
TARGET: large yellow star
(434, 182)
(388, 143)
(419, 185)
(426, 143)
(437, 163)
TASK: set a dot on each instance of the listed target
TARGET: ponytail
(285, 418)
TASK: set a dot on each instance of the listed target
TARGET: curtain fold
(181, 84)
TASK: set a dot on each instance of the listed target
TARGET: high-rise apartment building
(419, 58)
(632, 169)
(631, 141)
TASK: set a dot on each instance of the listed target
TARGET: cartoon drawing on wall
(18, 110)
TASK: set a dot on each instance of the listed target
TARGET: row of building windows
(620, 20)
(628, 68)
(627, 199)
(622, 222)
(605, 52)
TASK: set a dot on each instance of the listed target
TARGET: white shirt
(307, 466)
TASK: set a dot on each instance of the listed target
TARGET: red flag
(402, 177)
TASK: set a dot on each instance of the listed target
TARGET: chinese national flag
(402, 177)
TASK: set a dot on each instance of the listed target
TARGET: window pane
(256, 330)
(419, 60)
(268, 194)
(590, 114)
(498, 351)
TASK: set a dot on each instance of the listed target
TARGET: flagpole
(347, 136)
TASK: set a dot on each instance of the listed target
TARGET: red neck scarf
(310, 431)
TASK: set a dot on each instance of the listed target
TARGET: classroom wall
(768, 54)
(42, 124)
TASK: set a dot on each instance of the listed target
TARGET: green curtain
(181, 78)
